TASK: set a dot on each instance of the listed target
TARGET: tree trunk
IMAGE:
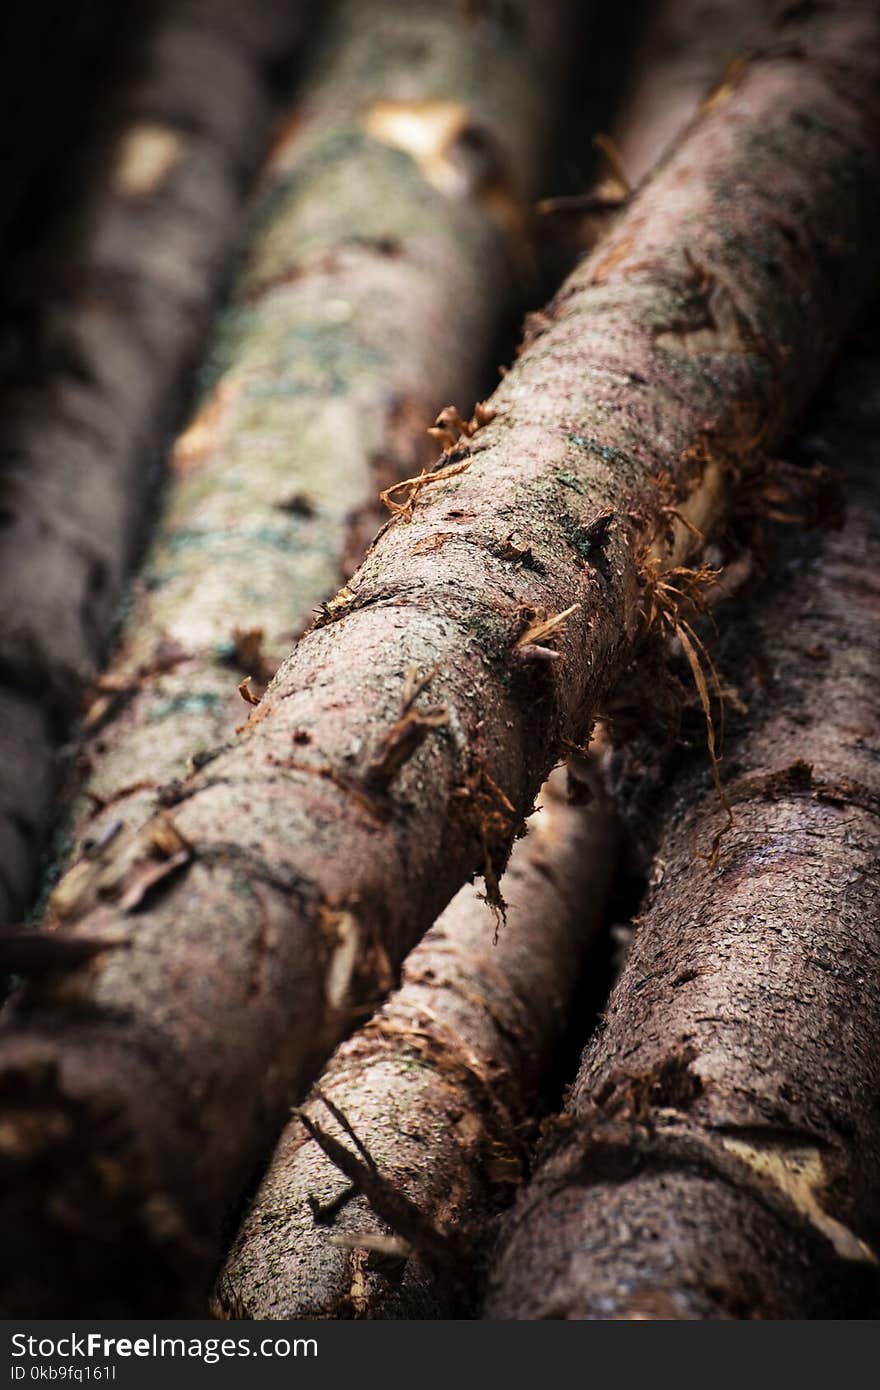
(261, 907)
(388, 235)
(436, 1135)
(100, 384)
(438, 1086)
(721, 1156)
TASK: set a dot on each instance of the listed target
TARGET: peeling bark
(387, 237)
(721, 1150)
(99, 387)
(439, 1087)
(703, 321)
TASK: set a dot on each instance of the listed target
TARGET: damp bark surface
(439, 1087)
(720, 1154)
(399, 747)
(99, 379)
(388, 235)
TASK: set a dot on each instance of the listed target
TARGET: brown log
(439, 1088)
(720, 1154)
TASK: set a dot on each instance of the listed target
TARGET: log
(720, 1153)
(428, 1127)
(439, 1087)
(388, 239)
(100, 381)
(399, 747)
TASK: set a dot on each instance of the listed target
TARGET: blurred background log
(98, 355)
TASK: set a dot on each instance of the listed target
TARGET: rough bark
(329, 837)
(439, 1087)
(722, 1152)
(99, 381)
(387, 237)
(440, 1084)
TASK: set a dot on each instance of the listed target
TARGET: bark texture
(388, 235)
(722, 1151)
(439, 1086)
(99, 384)
(261, 905)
